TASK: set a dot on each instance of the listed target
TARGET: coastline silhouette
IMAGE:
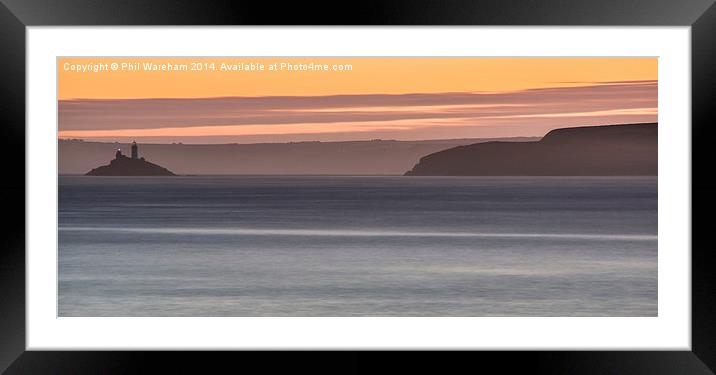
(607, 150)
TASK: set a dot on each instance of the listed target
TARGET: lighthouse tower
(135, 153)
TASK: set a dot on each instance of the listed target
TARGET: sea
(207, 246)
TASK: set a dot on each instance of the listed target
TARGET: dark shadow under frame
(15, 15)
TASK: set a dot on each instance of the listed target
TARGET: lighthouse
(123, 165)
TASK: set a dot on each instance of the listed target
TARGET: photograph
(357, 186)
(198, 186)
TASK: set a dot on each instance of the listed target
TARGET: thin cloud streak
(364, 114)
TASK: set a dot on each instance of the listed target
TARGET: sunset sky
(353, 99)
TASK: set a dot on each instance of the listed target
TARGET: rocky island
(122, 165)
(608, 150)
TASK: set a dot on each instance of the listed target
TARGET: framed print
(446, 178)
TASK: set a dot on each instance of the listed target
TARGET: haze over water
(357, 246)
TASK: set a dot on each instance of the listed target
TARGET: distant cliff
(611, 150)
(124, 166)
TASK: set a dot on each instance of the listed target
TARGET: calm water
(357, 246)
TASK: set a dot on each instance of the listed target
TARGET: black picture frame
(16, 15)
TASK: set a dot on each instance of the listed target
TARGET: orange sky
(366, 76)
